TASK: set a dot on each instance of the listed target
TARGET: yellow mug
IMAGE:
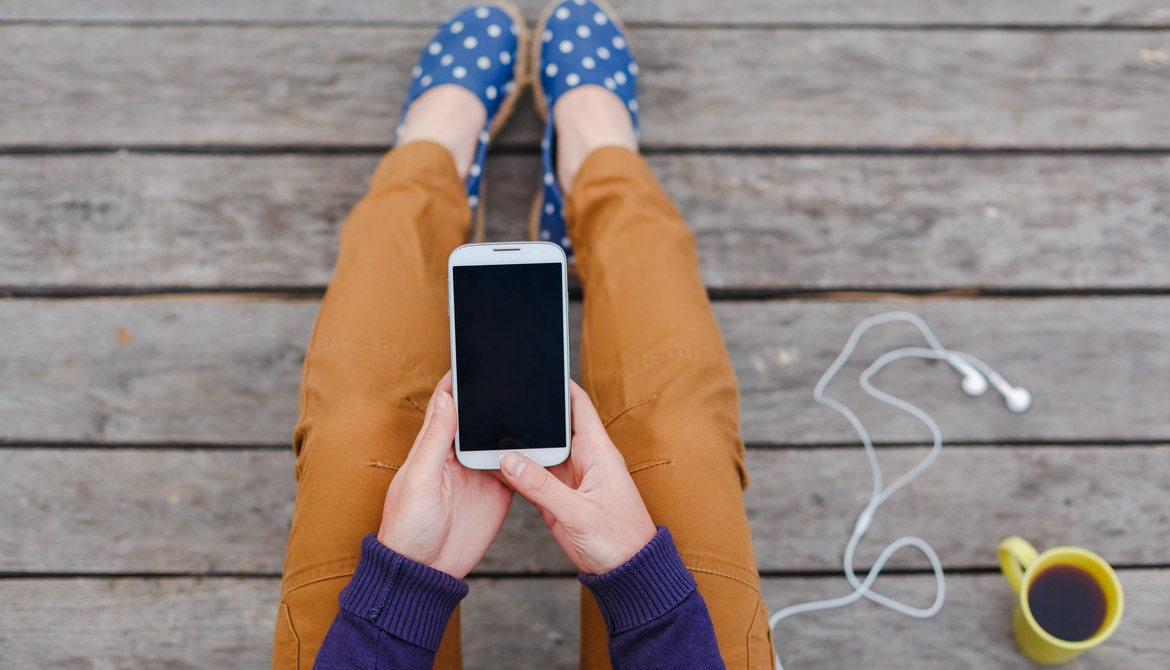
(1021, 565)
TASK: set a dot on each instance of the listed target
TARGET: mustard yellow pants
(652, 359)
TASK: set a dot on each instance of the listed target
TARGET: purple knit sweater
(394, 611)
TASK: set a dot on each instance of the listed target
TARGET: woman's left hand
(437, 511)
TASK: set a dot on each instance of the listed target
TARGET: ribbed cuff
(643, 588)
(407, 599)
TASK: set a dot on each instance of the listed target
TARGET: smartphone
(509, 309)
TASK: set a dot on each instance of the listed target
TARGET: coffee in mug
(1068, 600)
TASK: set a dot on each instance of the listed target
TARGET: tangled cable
(977, 375)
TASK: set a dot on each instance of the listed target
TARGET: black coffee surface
(1067, 602)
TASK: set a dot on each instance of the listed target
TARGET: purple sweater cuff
(643, 588)
(402, 597)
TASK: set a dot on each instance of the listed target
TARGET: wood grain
(685, 12)
(525, 623)
(342, 86)
(140, 221)
(137, 624)
(225, 369)
(82, 511)
(123, 220)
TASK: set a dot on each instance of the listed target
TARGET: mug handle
(1015, 555)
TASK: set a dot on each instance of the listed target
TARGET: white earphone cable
(971, 367)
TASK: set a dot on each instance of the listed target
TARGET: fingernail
(441, 401)
(512, 463)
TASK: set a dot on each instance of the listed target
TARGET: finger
(436, 439)
(444, 385)
(538, 485)
(585, 418)
(445, 382)
(591, 444)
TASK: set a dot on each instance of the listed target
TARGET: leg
(379, 345)
(655, 363)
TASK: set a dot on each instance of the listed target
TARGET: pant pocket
(759, 642)
(286, 646)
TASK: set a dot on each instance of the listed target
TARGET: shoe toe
(476, 49)
(580, 45)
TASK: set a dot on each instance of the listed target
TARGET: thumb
(437, 434)
(537, 484)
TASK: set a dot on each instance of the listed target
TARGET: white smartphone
(509, 309)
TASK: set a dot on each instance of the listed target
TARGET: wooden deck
(172, 176)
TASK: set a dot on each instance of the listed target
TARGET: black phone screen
(510, 356)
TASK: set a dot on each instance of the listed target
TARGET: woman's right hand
(590, 502)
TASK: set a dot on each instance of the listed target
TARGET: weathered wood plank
(215, 512)
(131, 624)
(114, 511)
(525, 623)
(762, 222)
(120, 360)
(720, 87)
(195, 221)
(687, 12)
(225, 369)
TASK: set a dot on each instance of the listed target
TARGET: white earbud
(1016, 398)
(973, 383)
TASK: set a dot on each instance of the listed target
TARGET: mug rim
(1037, 566)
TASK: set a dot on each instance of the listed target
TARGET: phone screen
(510, 356)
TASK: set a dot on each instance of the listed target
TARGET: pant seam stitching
(625, 410)
(292, 579)
(727, 575)
(413, 403)
(642, 466)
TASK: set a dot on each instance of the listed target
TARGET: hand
(438, 512)
(590, 502)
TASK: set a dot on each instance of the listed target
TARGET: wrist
(406, 548)
(634, 542)
(650, 584)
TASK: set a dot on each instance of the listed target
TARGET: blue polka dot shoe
(483, 50)
(579, 43)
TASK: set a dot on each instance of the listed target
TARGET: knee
(345, 372)
(354, 394)
(378, 429)
(688, 419)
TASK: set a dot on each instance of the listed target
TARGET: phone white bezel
(509, 253)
